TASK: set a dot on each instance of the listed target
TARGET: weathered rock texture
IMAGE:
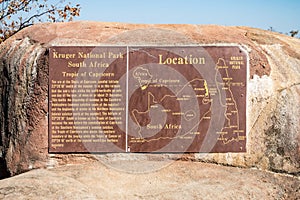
(273, 100)
(181, 180)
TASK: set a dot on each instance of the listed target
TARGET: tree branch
(12, 11)
(24, 24)
(25, 4)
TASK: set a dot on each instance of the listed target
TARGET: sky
(282, 15)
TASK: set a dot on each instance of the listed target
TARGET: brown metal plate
(147, 99)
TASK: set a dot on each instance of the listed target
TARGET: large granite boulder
(273, 136)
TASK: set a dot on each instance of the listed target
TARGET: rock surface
(273, 90)
(180, 180)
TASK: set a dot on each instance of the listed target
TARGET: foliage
(16, 15)
(294, 33)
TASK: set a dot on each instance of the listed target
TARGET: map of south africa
(202, 91)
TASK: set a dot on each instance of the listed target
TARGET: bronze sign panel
(147, 99)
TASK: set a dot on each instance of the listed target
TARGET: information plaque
(147, 99)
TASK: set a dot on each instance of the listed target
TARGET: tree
(294, 33)
(16, 15)
(271, 29)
